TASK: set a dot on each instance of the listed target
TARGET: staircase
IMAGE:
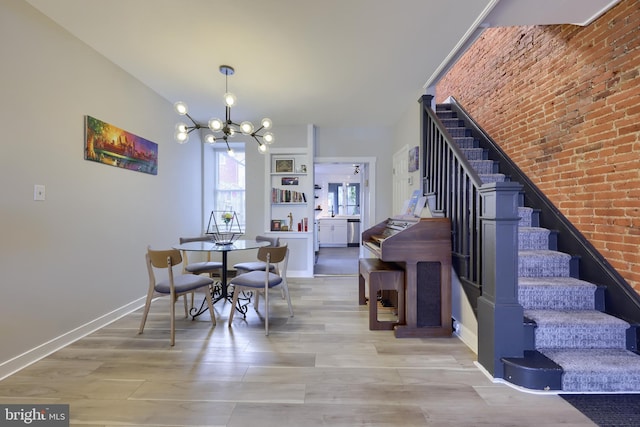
(571, 344)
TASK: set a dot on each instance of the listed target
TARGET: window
(344, 199)
(229, 180)
(352, 199)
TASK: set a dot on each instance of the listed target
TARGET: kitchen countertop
(337, 217)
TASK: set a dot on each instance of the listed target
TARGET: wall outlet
(38, 192)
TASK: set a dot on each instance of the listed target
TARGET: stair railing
(484, 222)
(454, 186)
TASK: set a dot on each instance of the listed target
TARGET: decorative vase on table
(224, 227)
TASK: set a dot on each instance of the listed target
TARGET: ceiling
(334, 63)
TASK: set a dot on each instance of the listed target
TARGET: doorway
(345, 194)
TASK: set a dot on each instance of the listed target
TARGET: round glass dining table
(224, 249)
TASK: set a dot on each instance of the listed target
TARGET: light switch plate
(38, 192)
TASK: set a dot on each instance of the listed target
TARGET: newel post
(500, 316)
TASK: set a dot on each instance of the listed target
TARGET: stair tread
(556, 293)
(528, 228)
(494, 177)
(554, 281)
(568, 317)
(594, 359)
(579, 329)
(598, 369)
(532, 359)
(546, 252)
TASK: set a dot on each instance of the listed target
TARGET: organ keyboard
(422, 247)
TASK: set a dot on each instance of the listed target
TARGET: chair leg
(266, 312)
(147, 305)
(207, 295)
(256, 301)
(234, 302)
(173, 320)
(285, 289)
(186, 311)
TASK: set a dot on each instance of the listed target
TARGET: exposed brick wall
(564, 103)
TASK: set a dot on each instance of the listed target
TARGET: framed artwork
(276, 225)
(284, 166)
(110, 145)
(289, 180)
(414, 157)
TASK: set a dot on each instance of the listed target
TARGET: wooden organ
(422, 248)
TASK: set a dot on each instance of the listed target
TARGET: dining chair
(245, 267)
(261, 281)
(204, 267)
(212, 268)
(174, 286)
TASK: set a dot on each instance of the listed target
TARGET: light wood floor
(322, 367)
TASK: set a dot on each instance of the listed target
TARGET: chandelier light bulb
(182, 127)
(231, 153)
(268, 138)
(266, 123)
(209, 138)
(216, 125)
(181, 108)
(232, 132)
(262, 148)
(246, 127)
(182, 137)
(230, 99)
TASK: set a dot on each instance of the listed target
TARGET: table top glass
(211, 246)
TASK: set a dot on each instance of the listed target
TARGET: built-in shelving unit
(291, 191)
(290, 202)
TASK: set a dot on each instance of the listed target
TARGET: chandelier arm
(192, 120)
(257, 140)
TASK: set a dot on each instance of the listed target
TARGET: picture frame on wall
(284, 166)
(414, 157)
(289, 180)
(276, 225)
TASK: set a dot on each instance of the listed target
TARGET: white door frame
(368, 190)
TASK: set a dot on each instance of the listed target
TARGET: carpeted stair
(572, 345)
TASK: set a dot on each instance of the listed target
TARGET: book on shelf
(279, 195)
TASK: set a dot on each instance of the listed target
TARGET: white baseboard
(467, 336)
(27, 358)
(299, 273)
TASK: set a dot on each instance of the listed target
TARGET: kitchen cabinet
(332, 232)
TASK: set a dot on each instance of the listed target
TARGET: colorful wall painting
(110, 145)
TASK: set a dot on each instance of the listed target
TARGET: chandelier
(227, 128)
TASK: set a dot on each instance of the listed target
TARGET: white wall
(78, 255)
(363, 142)
(406, 136)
